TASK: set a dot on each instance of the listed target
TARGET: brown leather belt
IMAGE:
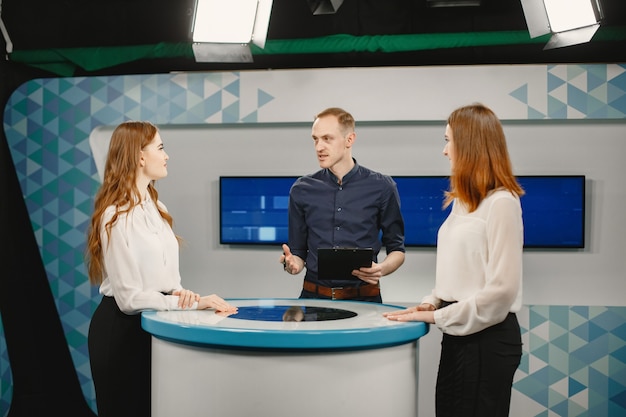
(342, 293)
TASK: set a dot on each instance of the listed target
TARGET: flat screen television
(421, 199)
(253, 210)
(553, 210)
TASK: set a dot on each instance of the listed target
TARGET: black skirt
(120, 358)
(476, 371)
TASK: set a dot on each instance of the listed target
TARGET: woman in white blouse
(132, 253)
(478, 284)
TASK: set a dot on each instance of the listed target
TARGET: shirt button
(339, 209)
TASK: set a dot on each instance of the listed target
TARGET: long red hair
(119, 188)
(481, 158)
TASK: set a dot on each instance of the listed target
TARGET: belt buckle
(332, 292)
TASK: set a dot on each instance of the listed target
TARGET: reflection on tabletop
(292, 313)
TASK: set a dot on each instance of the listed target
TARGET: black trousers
(476, 371)
(120, 357)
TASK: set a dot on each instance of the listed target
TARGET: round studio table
(284, 357)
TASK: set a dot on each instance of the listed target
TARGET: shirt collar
(346, 177)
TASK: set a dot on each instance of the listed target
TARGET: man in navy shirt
(342, 205)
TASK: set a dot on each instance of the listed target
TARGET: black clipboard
(338, 263)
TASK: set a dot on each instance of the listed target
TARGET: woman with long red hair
(478, 283)
(132, 254)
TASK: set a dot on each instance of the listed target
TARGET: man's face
(332, 144)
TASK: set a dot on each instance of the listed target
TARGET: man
(342, 205)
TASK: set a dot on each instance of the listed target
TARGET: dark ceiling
(66, 35)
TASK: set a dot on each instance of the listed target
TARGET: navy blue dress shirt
(363, 211)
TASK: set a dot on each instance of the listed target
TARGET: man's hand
(371, 275)
(293, 264)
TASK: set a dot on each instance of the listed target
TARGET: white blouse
(140, 260)
(479, 265)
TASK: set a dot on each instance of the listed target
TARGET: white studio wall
(199, 155)
(559, 119)
(590, 276)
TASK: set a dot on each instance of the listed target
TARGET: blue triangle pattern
(582, 311)
(573, 71)
(619, 355)
(556, 108)
(213, 104)
(47, 124)
(603, 382)
(230, 114)
(588, 103)
(562, 342)
(614, 93)
(233, 88)
(561, 408)
(609, 320)
(559, 316)
(596, 77)
(537, 318)
(588, 331)
(574, 387)
(577, 98)
(195, 86)
(251, 118)
(263, 98)
(619, 102)
(532, 389)
(542, 351)
(619, 81)
(619, 400)
(554, 82)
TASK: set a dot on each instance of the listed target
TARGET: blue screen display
(421, 200)
(553, 210)
(253, 210)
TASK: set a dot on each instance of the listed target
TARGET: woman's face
(154, 159)
(448, 150)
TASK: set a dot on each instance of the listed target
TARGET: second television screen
(254, 210)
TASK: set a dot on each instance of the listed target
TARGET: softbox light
(222, 30)
(571, 22)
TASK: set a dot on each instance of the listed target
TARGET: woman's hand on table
(186, 298)
(216, 302)
(423, 312)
